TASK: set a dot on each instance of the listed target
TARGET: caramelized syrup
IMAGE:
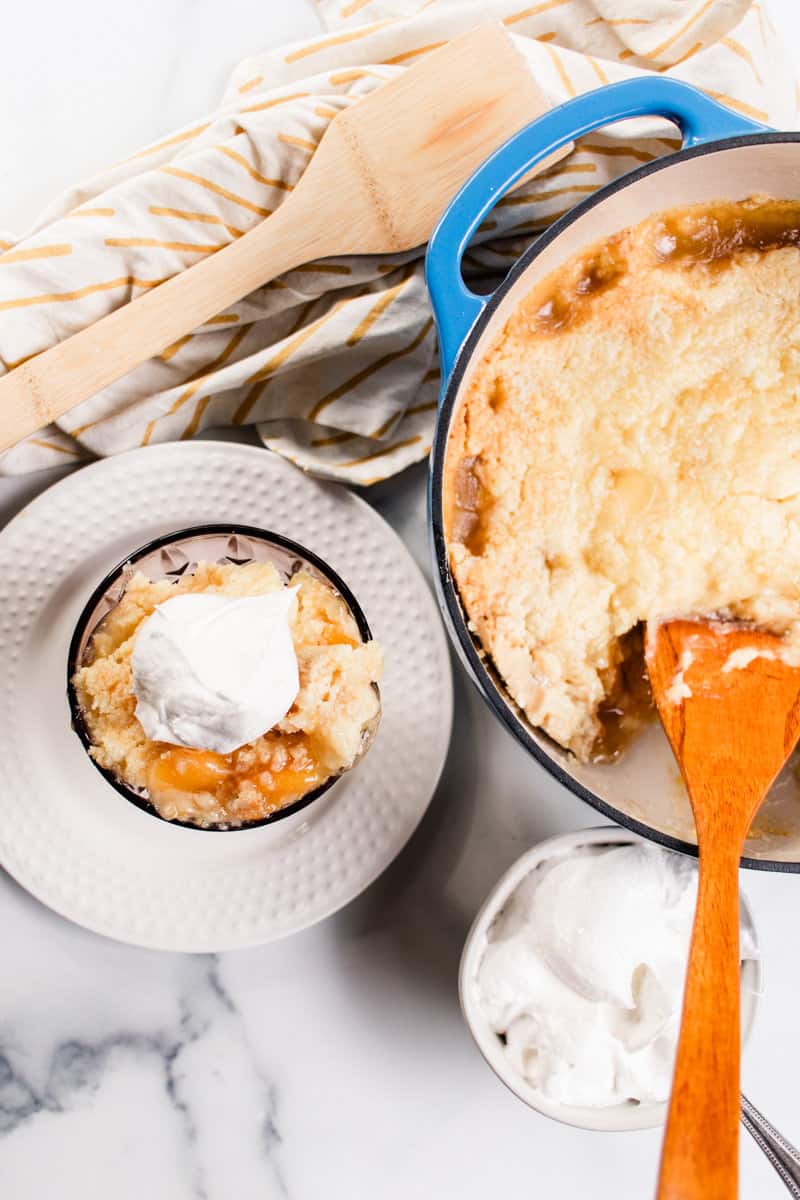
(711, 233)
(591, 275)
(629, 702)
(469, 506)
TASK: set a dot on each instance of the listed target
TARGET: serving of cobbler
(628, 449)
(323, 733)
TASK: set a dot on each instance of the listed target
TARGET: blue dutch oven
(724, 157)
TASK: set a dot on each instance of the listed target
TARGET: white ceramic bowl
(628, 1115)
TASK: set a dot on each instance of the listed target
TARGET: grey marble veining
(206, 1084)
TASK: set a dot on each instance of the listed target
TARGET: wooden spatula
(380, 179)
(732, 723)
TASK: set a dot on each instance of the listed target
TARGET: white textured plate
(80, 847)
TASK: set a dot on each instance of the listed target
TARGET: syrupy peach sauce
(629, 700)
(249, 784)
(468, 506)
(700, 234)
(575, 285)
(709, 234)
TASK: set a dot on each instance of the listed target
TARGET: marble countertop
(335, 1063)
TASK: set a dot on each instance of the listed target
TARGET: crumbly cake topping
(628, 448)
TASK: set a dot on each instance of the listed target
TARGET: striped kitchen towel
(335, 363)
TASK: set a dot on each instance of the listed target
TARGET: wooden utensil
(380, 178)
(732, 723)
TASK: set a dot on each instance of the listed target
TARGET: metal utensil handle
(782, 1154)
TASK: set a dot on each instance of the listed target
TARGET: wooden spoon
(732, 723)
(381, 177)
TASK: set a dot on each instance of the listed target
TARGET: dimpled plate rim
(78, 846)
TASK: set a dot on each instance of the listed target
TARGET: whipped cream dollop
(583, 973)
(212, 672)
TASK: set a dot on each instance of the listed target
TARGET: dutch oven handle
(455, 307)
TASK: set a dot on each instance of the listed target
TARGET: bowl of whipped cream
(571, 979)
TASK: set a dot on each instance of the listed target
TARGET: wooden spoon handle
(700, 1156)
(55, 381)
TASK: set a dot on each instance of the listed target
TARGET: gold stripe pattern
(690, 53)
(333, 440)
(368, 371)
(236, 157)
(421, 408)
(181, 247)
(562, 74)
(533, 11)
(582, 168)
(217, 190)
(385, 426)
(380, 306)
(749, 111)
(186, 136)
(762, 23)
(540, 197)
(324, 268)
(598, 70)
(365, 458)
(159, 210)
(619, 21)
(617, 151)
(54, 446)
(350, 76)
(353, 7)
(251, 83)
(407, 54)
(338, 39)
(657, 51)
(131, 281)
(295, 339)
(172, 350)
(196, 381)
(303, 143)
(276, 100)
(743, 53)
(17, 256)
(91, 212)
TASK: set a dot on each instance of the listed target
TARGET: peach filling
(291, 772)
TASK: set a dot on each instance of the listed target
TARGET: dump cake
(231, 742)
(628, 448)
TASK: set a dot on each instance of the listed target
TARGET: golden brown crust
(629, 446)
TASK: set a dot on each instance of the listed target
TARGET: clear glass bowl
(170, 557)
